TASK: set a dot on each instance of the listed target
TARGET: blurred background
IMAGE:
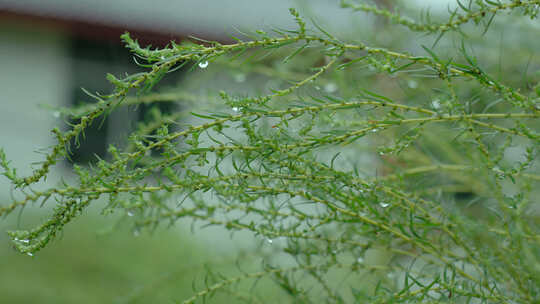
(48, 51)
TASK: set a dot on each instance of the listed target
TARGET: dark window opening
(91, 61)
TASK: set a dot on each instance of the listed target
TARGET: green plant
(426, 192)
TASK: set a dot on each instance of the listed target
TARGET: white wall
(34, 70)
(212, 19)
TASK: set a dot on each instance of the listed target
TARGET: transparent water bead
(29, 254)
(383, 204)
(130, 213)
(203, 64)
(360, 260)
(330, 87)
(498, 172)
(24, 241)
(436, 104)
(270, 241)
(235, 109)
(240, 77)
(56, 114)
(412, 84)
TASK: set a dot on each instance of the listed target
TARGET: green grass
(87, 266)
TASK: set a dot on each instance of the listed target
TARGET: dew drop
(56, 114)
(203, 64)
(29, 254)
(240, 77)
(130, 213)
(412, 84)
(384, 205)
(318, 88)
(330, 87)
(162, 57)
(136, 233)
(270, 241)
(360, 260)
(436, 104)
(24, 241)
(375, 130)
(236, 109)
(381, 153)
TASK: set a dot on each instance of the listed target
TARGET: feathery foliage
(399, 169)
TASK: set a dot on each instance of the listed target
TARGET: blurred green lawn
(85, 266)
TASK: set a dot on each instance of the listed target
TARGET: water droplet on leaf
(436, 104)
(412, 84)
(203, 64)
(384, 205)
(240, 77)
(56, 114)
(330, 87)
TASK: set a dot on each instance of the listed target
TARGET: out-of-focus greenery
(99, 260)
(94, 264)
